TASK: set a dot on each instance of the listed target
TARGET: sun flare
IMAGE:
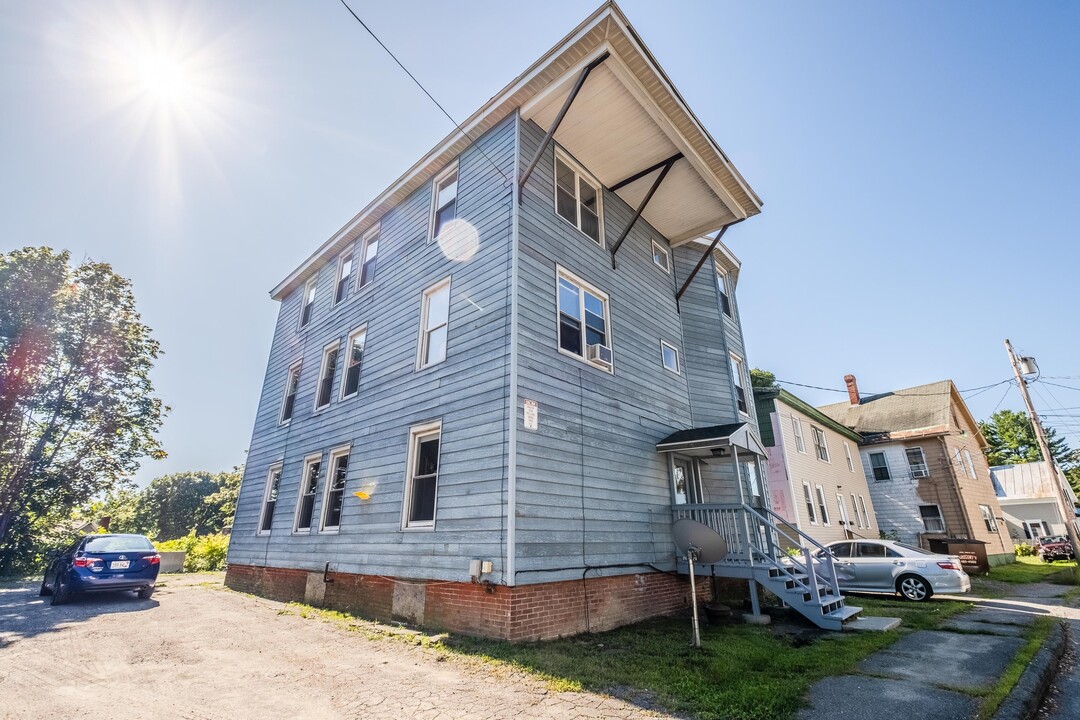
(162, 77)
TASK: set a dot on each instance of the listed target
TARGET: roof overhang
(627, 117)
(713, 441)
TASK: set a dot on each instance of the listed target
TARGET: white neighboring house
(1029, 500)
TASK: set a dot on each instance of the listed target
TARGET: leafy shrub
(205, 553)
(1024, 550)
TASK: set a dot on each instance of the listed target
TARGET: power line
(431, 97)
(898, 393)
(1067, 387)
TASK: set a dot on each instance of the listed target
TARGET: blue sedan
(102, 562)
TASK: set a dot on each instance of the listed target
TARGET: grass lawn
(1031, 569)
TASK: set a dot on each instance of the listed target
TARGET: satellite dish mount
(700, 544)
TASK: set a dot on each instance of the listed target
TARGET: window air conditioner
(599, 355)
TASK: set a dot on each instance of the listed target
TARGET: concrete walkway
(932, 673)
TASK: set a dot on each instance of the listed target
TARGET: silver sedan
(884, 566)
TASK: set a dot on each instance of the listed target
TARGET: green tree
(1011, 437)
(762, 378)
(77, 410)
(171, 506)
(223, 502)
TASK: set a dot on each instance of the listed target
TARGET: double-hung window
(842, 506)
(862, 508)
(292, 385)
(880, 467)
(354, 359)
(917, 462)
(434, 324)
(270, 495)
(796, 428)
(577, 198)
(988, 518)
(847, 457)
(670, 357)
(931, 517)
(811, 512)
(970, 464)
(444, 199)
(822, 506)
(724, 289)
(309, 484)
(737, 374)
(326, 376)
(821, 445)
(422, 481)
(369, 253)
(660, 256)
(344, 275)
(335, 489)
(855, 509)
(308, 301)
(583, 321)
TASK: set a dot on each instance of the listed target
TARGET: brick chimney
(852, 389)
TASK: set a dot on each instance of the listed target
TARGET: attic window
(577, 198)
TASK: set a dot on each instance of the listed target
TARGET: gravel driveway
(198, 651)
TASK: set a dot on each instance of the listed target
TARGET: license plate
(119, 565)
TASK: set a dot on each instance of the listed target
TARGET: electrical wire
(899, 393)
(431, 97)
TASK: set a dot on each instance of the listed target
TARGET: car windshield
(117, 543)
(914, 549)
(1052, 539)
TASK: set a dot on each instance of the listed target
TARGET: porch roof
(704, 440)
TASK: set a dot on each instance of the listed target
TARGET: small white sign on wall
(532, 415)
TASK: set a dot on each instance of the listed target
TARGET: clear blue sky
(918, 163)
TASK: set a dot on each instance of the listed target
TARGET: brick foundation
(526, 612)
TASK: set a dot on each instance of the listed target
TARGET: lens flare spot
(459, 240)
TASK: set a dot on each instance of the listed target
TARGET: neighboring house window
(335, 489)
(354, 360)
(308, 301)
(917, 462)
(422, 482)
(847, 456)
(855, 509)
(740, 392)
(988, 518)
(577, 199)
(931, 518)
(344, 275)
(660, 256)
(444, 199)
(724, 289)
(326, 376)
(369, 253)
(822, 506)
(796, 426)
(821, 446)
(862, 508)
(292, 385)
(309, 483)
(670, 357)
(434, 324)
(970, 465)
(843, 510)
(273, 484)
(808, 497)
(583, 321)
(880, 466)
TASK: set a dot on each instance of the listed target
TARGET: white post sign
(532, 415)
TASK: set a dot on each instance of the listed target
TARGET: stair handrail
(827, 555)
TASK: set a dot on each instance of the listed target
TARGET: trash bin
(972, 553)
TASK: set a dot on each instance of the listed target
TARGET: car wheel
(913, 587)
(45, 589)
(145, 593)
(60, 592)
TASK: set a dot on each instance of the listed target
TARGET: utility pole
(1068, 513)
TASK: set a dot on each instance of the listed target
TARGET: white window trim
(663, 251)
(823, 506)
(322, 370)
(722, 274)
(941, 516)
(800, 439)
(276, 467)
(561, 272)
(340, 451)
(672, 348)
(424, 306)
(855, 508)
(312, 283)
(350, 253)
(740, 369)
(847, 456)
(360, 331)
(808, 492)
(866, 515)
(991, 519)
(845, 520)
(815, 431)
(925, 465)
(299, 367)
(416, 432)
(970, 464)
(373, 232)
(308, 461)
(580, 170)
(443, 174)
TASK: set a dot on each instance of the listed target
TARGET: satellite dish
(699, 543)
(707, 545)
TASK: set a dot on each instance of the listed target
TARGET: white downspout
(511, 467)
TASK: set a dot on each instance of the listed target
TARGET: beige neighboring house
(1029, 499)
(925, 459)
(816, 480)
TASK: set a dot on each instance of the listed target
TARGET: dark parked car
(1054, 547)
(102, 562)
